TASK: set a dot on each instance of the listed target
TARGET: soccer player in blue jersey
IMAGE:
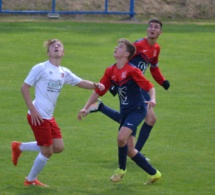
(129, 81)
(147, 53)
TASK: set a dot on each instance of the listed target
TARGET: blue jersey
(129, 81)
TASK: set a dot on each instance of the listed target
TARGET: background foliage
(172, 9)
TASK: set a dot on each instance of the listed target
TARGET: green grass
(181, 145)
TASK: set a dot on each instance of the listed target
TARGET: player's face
(154, 30)
(120, 51)
(56, 50)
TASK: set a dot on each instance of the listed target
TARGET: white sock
(30, 146)
(39, 164)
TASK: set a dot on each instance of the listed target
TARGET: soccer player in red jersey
(129, 81)
(147, 53)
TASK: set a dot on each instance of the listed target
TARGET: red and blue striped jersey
(129, 81)
(147, 56)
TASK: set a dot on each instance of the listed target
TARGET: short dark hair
(155, 20)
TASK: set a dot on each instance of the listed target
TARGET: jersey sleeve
(157, 75)
(154, 62)
(34, 74)
(140, 79)
(155, 70)
(105, 80)
(71, 78)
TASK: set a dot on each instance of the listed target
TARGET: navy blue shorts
(133, 119)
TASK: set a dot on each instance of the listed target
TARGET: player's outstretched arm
(90, 85)
(83, 112)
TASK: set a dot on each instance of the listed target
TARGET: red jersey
(129, 81)
(147, 55)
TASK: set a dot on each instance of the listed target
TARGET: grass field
(181, 145)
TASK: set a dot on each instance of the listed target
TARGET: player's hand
(166, 84)
(36, 119)
(100, 86)
(113, 90)
(82, 113)
(151, 103)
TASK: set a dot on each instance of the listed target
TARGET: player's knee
(58, 149)
(47, 151)
(121, 141)
(151, 120)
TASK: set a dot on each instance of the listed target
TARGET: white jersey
(48, 81)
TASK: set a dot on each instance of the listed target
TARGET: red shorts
(46, 132)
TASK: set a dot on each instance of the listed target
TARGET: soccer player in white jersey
(48, 79)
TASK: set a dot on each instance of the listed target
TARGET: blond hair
(50, 42)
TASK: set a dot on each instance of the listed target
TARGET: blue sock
(111, 113)
(141, 161)
(143, 136)
(122, 156)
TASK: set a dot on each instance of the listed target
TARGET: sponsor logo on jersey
(54, 85)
